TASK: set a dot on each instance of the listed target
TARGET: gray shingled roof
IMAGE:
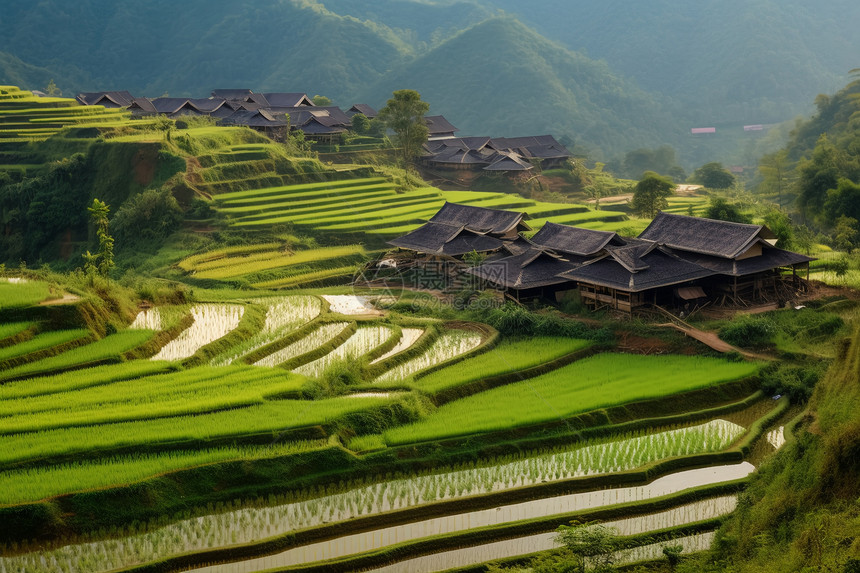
(460, 156)
(480, 219)
(771, 258)
(282, 99)
(169, 105)
(363, 109)
(705, 236)
(106, 99)
(143, 105)
(254, 118)
(539, 146)
(441, 238)
(574, 240)
(438, 125)
(321, 126)
(232, 94)
(533, 268)
(661, 269)
(508, 161)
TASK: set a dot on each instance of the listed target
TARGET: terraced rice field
(272, 265)
(362, 342)
(74, 429)
(22, 293)
(211, 322)
(108, 349)
(450, 345)
(372, 205)
(26, 118)
(596, 382)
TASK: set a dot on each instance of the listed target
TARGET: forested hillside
(612, 76)
(721, 63)
(527, 84)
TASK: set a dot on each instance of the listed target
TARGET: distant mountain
(613, 75)
(193, 46)
(501, 78)
(722, 61)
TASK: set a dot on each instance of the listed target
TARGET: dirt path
(713, 341)
(67, 298)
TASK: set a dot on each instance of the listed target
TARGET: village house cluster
(277, 113)
(677, 262)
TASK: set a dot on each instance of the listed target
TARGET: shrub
(153, 214)
(749, 331)
(796, 382)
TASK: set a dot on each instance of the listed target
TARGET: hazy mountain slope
(420, 23)
(735, 61)
(14, 72)
(501, 78)
(191, 47)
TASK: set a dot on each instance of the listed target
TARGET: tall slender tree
(102, 261)
(404, 115)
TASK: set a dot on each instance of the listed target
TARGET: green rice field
(25, 293)
(592, 383)
(109, 348)
(372, 205)
(506, 357)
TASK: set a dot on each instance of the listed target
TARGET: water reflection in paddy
(673, 483)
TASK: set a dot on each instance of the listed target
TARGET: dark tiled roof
(663, 269)
(321, 126)
(459, 156)
(705, 236)
(232, 94)
(169, 104)
(335, 113)
(438, 125)
(508, 161)
(479, 219)
(538, 146)
(531, 268)
(467, 241)
(574, 240)
(207, 105)
(254, 118)
(631, 256)
(363, 109)
(106, 99)
(142, 104)
(771, 258)
(451, 240)
(282, 99)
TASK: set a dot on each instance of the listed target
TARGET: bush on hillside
(153, 214)
(749, 331)
(515, 320)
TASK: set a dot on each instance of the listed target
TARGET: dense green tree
(360, 123)
(651, 194)
(846, 234)
(719, 208)
(844, 200)
(152, 214)
(321, 100)
(713, 176)
(817, 175)
(779, 222)
(404, 115)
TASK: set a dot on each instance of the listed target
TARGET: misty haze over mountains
(610, 76)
